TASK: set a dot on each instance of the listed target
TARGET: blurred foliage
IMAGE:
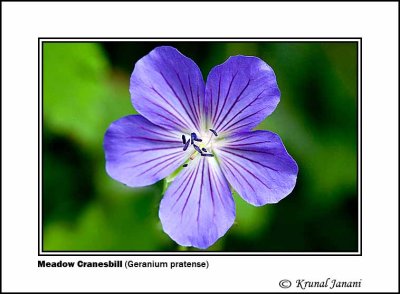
(85, 88)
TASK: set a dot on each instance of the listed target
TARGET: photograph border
(42, 40)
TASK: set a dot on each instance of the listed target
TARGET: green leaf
(80, 99)
(250, 219)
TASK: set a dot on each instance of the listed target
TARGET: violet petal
(258, 166)
(198, 207)
(168, 88)
(139, 153)
(240, 93)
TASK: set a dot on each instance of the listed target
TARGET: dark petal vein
(246, 144)
(215, 179)
(163, 162)
(166, 156)
(232, 168)
(226, 125)
(201, 192)
(179, 120)
(218, 96)
(150, 149)
(241, 126)
(188, 180)
(179, 99)
(194, 103)
(243, 138)
(180, 117)
(187, 99)
(233, 105)
(215, 120)
(190, 192)
(157, 133)
(251, 160)
(152, 139)
(211, 189)
(249, 172)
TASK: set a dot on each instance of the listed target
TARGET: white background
(376, 23)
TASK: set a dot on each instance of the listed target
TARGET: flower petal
(139, 153)
(167, 88)
(240, 93)
(198, 207)
(258, 166)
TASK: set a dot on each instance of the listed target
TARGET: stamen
(197, 148)
(186, 145)
(214, 132)
(193, 136)
(185, 165)
(201, 149)
(208, 154)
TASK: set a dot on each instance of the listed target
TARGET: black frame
(42, 40)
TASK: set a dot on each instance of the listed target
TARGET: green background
(86, 87)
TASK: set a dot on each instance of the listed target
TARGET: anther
(214, 132)
(197, 148)
(183, 139)
(186, 145)
(193, 136)
(185, 165)
(204, 149)
(208, 154)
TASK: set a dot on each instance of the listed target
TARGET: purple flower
(204, 129)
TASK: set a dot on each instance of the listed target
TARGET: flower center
(199, 145)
